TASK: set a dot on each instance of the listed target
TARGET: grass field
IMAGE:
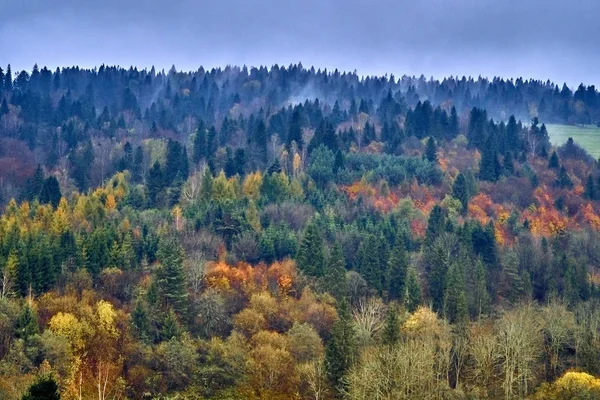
(587, 136)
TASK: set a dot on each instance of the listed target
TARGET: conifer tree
(44, 388)
(170, 277)
(8, 81)
(413, 295)
(334, 278)
(564, 180)
(554, 162)
(310, 258)
(590, 188)
(50, 192)
(391, 330)
(27, 324)
(339, 353)
(397, 271)
(460, 191)
(455, 298)
(435, 224)
(431, 150)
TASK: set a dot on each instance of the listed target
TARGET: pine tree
(435, 224)
(44, 388)
(50, 192)
(8, 82)
(170, 277)
(310, 258)
(554, 162)
(397, 271)
(334, 279)
(391, 330)
(413, 295)
(27, 324)
(564, 180)
(339, 353)
(431, 150)
(460, 191)
(455, 298)
(590, 188)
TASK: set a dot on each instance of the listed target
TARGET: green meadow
(587, 136)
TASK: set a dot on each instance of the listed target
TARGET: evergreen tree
(590, 188)
(8, 81)
(478, 297)
(509, 164)
(200, 144)
(489, 166)
(4, 107)
(140, 322)
(460, 191)
(44, 388)
(455, 298)
(35, 184)
(310, 257)
(339, 352)
(397, 270)
(334, 278)
(154, 184)
(170, 277)
(27, 324)
(413, 296)
(564, 180)
(431, 150)
(435, 225)
(554, 162)
(50, 193)
(391, 329)
(138, 164)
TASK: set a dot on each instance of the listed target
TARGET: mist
(531, 39)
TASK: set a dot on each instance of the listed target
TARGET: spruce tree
(170, 277)
(413, 295)
(460, 191)
(340, 350)
(27, 323)
(554, 162)
(564, 180)
(310, 258)
(431, 150)
(391, 330)
(397, 271)
(334, 278)
(455, 298)
(50, 193)
(590, 188)
(435, 224)
(44, 388)
(8, 82)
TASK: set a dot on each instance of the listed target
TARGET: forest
(291, 233)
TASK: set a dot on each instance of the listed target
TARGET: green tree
(590, 188)
(170, 277)
(397, 271)
(413, 295)
(340, 350)
(155, 184)
(310, 257)
(460, 191)
(564, 180)
(554, 162)
(431, 150)
(334, 279)
(391, 330)
(455, 298)
(436, 224)
(50, 192)
(44, 388)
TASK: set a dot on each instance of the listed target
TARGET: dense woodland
(286, 233)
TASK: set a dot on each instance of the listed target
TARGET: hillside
(283, 232)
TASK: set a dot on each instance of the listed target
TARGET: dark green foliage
(322, 162)
(391, 330)
(554, 162)
(155, 184)
(455, 297)
(44, 388)
(170, 277)
(435, 225)
(413, 295)
(27, 324)
(334, 278)
(563, 180)
(397, 271)
(431, 150)
(489, 166)
(310, 257)
(590, 188)
(340, 350)
(50, 193)
(460, 191)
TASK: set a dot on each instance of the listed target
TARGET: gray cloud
(543, 39)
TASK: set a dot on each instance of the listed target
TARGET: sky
(542, 39)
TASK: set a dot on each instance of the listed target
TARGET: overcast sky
(544, 39)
